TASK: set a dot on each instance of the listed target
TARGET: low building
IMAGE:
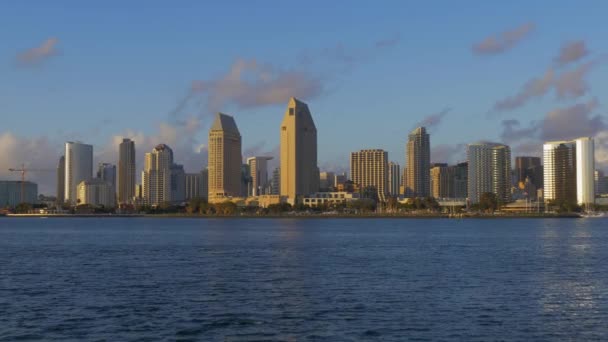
(10, 193)
(329, 198)
(96, 192)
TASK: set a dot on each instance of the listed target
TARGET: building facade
(369, 169)
(107, 173)
(601, 186)
(329, 198)
(299, 169)
(178, 183)
(418, 157)
(196, 185)
(326, 181)
(156, 176)
(258, 167)
(78, 167)
(489, 171)
(10, 193)
(569, 171)
(529, 168)
(61, 181)
(275, 186)
(96, 192)
(394, 179)
(126, 171)
(225, 159)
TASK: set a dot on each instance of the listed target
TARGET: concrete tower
(489, 170)
(299, 170)
(78, 167)
(225, 159)
(418, 157)
(126, 171)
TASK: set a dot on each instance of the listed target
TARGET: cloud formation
(504, 41)
(448, 153)
(567, 85)
(433, 120)
(38, 55)
(571, 52)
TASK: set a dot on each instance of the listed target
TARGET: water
(299, 280)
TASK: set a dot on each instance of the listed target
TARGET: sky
(517, 72)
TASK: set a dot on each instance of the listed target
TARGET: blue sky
(373, 72)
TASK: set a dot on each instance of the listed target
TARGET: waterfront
(291, 279)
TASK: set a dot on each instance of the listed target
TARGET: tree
(488, 201)
(23, 208)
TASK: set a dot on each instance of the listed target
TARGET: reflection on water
(331, 280)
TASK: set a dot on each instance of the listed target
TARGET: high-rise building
(225, 159)
(529, 168)
(601, 187)
(489, 171)
(97, 192)
(10, 193)
(196, 185)
(418, 157)
(178, 183)
(258, 167)
(126, 171)
(107, 173)
(569, 171)
(275, 186)
(442, 181)
(299, 169)
(156, 176)
(61, 181)
(326, 181)
(78, 167)
(394, 178)
(246, 180)
(369, 169)
(461, 177)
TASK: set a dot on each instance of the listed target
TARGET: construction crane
(23, 170)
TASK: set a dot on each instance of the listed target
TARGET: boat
(593, 214)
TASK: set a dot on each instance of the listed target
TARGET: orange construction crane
(23, 171)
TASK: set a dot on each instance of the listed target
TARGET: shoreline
(362, 216)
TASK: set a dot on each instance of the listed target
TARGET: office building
(442, 181)
(569, 171)
(60, 197)
(340, 179)
(529, 168)
(178, 183)
(369, 169)
(246, 180)
(126, 171)
(196, 185)
(601, 186)
(10, 193)
(394, 178)
(96, 192)
(326, 181)
(275, 186)
(489, 171)
(78, 167)
(460, 179)
(258, 167)
(418, 157)
(225, 159)
(107, 173)
(299, 170)
(156, 176)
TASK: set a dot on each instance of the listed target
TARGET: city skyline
(520, 78)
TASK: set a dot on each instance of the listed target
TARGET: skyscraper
(369, 169)
(489, 171)
(299, 170)
(442, 181)
(196, 185)
(156, 176)
(78, 167)
(275, 185)
(178, 183)
(61, 181)
(107, 173)
(418, 156)
(394, 178)
(258, 167)
(600, 183)
(569, 171)
(126, 171)
(530, 168)
(225, 159)
(326, 180)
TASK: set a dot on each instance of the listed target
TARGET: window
(291, 111)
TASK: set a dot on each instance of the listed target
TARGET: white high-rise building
(78, 168)
(489, 171)
(569, 171)
(156, 176)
